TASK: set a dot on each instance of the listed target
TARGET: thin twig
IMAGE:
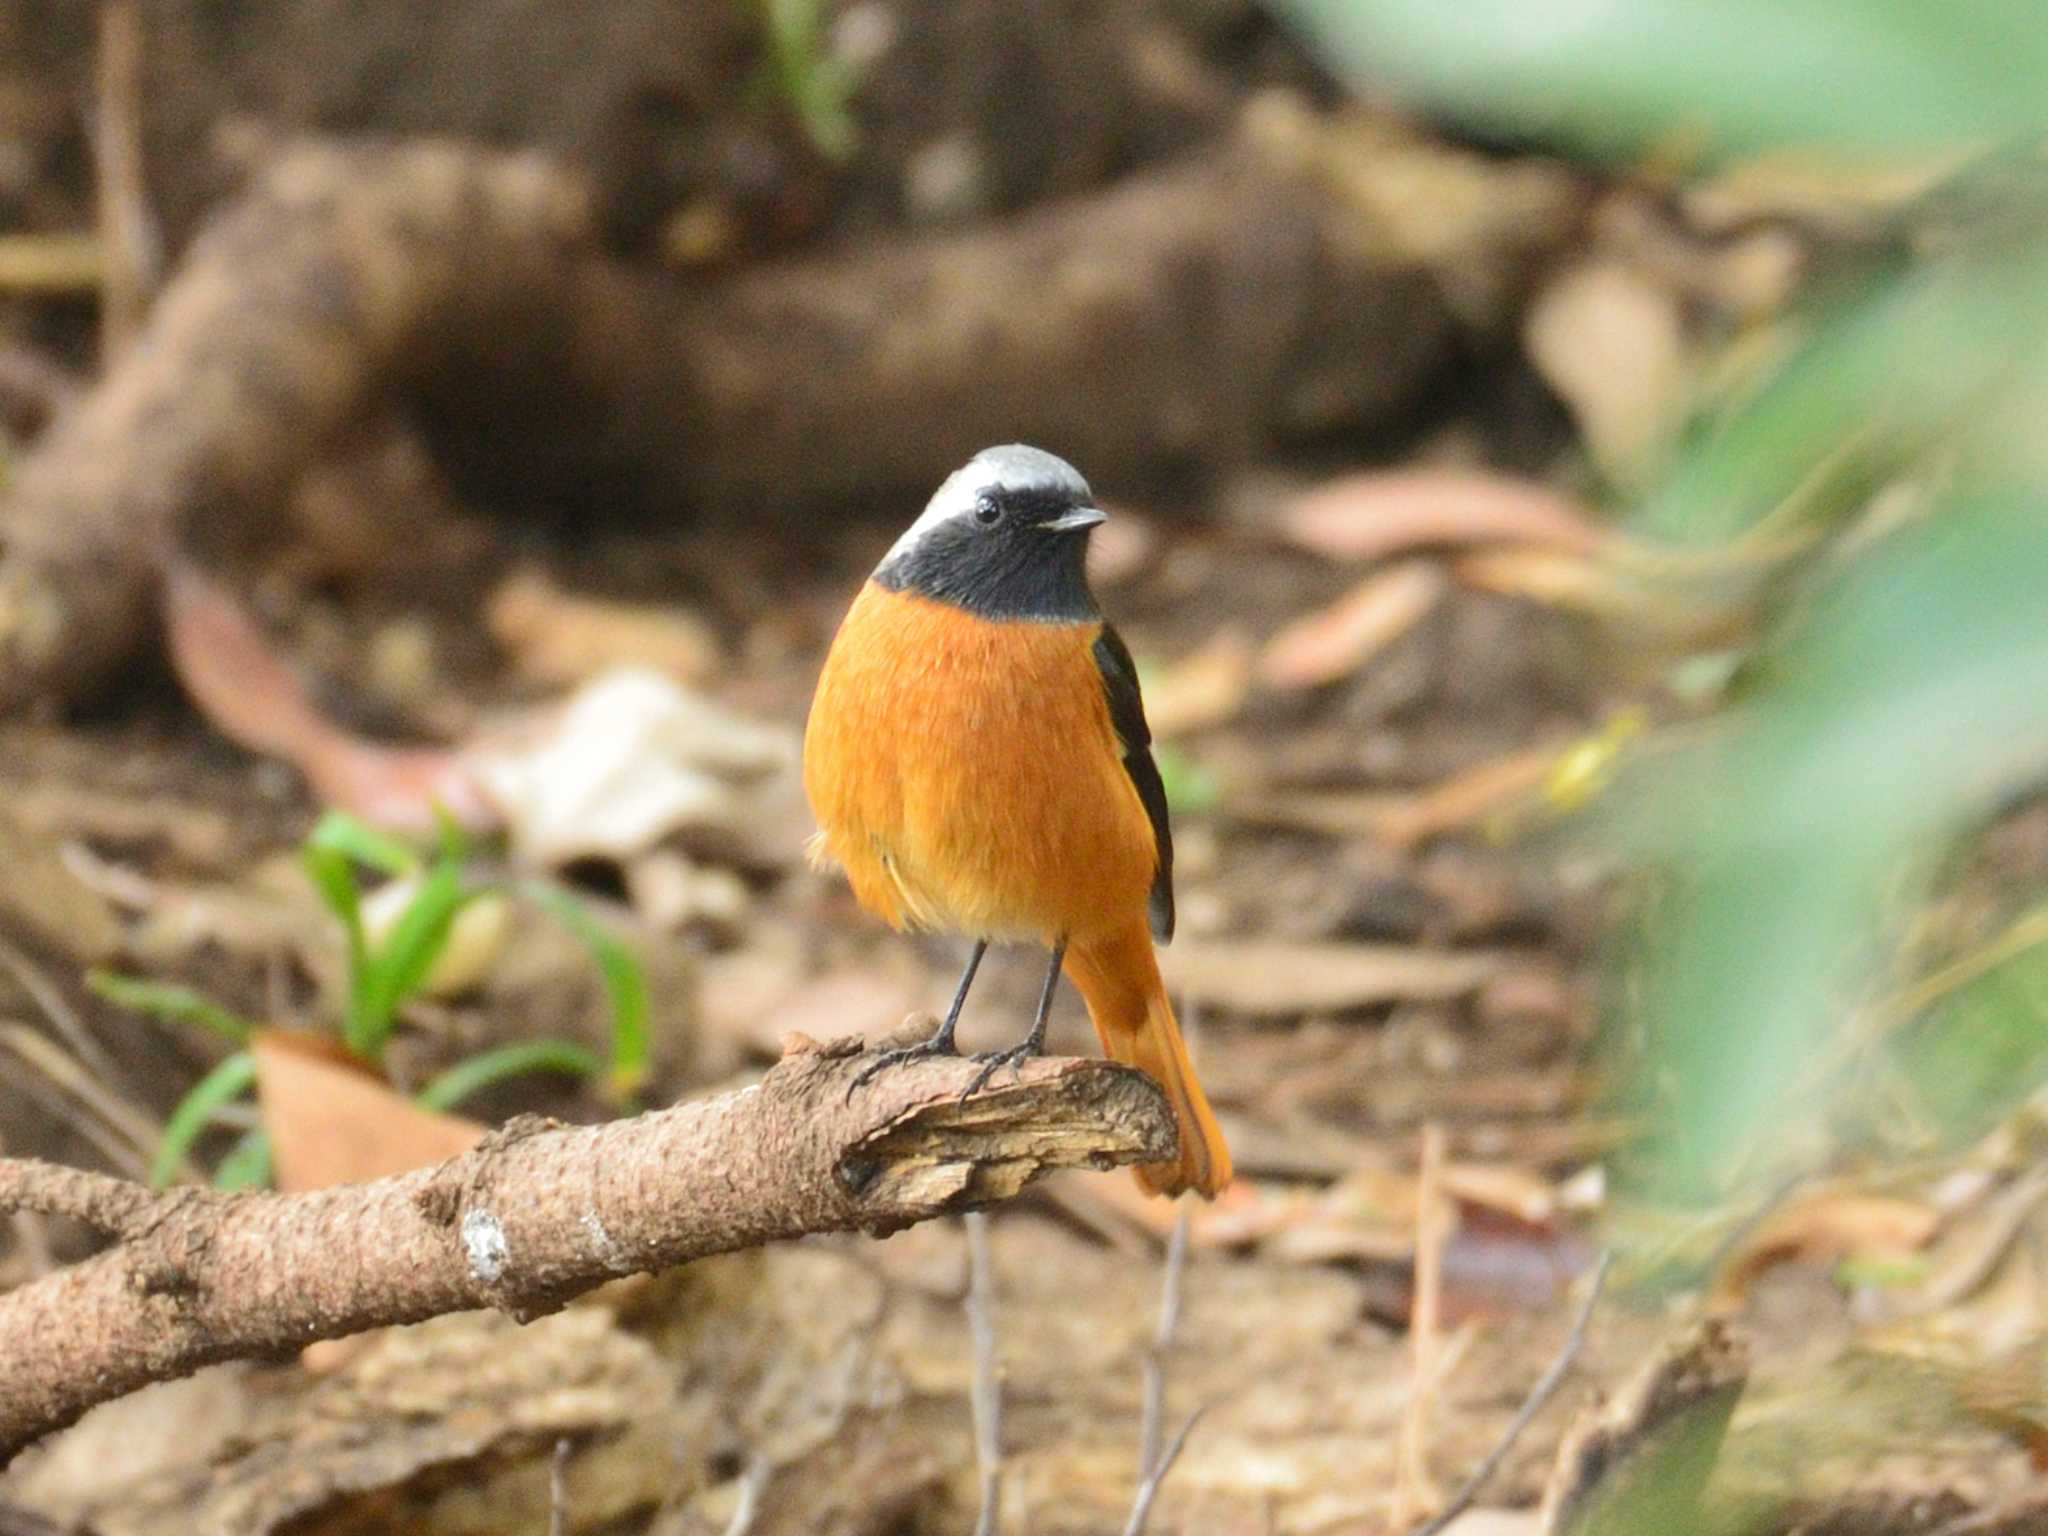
(558, 1488)
(1432, 1223)
(106, 1204)
(1153, 1425)
(121, 1133)
(128, 240)
(986, 1396)
(752, 1486)
(1148, 1490)
(1153, 1461)
(1545, 1389)
(61, 264)
(62, 1016)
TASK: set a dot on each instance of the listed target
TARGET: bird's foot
(993, 1062)
(940, 1044)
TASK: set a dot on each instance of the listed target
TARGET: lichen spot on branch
(483, 1240)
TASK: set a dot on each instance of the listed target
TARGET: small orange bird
(979, 763)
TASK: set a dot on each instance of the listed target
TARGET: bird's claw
(924, 1050)
(993, 1062)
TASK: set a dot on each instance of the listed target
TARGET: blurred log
(1311, 274)
(535, 1215)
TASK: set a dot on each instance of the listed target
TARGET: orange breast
(965, 774)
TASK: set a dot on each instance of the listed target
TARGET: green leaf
(223, 1085)
(335, 879)
(1716, 76)
(247, 1165)
(1900, 710)
(453, 838)
(1980, 1052)
(168, 1000)
(342, 833)
(801, 69)
(1897, 369)
(494, 1066)
(393, 972)
(625, 984)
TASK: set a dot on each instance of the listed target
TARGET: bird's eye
(987, 510)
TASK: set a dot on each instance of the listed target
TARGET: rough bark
(535, 1215)
(1308, 274)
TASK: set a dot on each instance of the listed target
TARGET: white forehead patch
(1013, 466)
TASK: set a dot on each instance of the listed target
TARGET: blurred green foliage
(381, 975)
(1887, 475)
(800, 70)
(1712, 76)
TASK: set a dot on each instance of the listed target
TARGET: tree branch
(103, 1203)
(535, 1215)
(1284, 283)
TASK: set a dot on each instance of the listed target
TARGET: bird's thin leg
(941, 1041)
(1032, 1044)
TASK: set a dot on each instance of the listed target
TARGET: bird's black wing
(1127, 714)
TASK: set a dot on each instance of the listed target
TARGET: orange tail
(1118, 977)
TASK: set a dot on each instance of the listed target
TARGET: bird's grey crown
(1014, 467)
(1019, 466)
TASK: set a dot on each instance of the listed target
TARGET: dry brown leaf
(1506, 1187)
(331, 1122)
(1383, 512)
(1469, 796)
(1274, 977)
(1811, 188)
(564, 638)
(1204, 688)
(1405, 820)
(1321, 1238)
(670, 892)
(1827, 1225)
(627, 760)
(1665, 612)
(1394, 1196)
(1335, 641)
(64, 811)
(1244, 1213)
(245, 688)
(1611, 341)
(1559, 580)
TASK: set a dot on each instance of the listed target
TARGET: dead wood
(1309, 273)
(1641, 1462)
(534, 1216)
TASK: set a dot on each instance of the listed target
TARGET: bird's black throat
(1016, 570)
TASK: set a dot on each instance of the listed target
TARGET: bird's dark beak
(1075, 521)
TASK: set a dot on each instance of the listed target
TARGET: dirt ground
(1378, 701)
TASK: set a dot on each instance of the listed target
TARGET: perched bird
(978, 761)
